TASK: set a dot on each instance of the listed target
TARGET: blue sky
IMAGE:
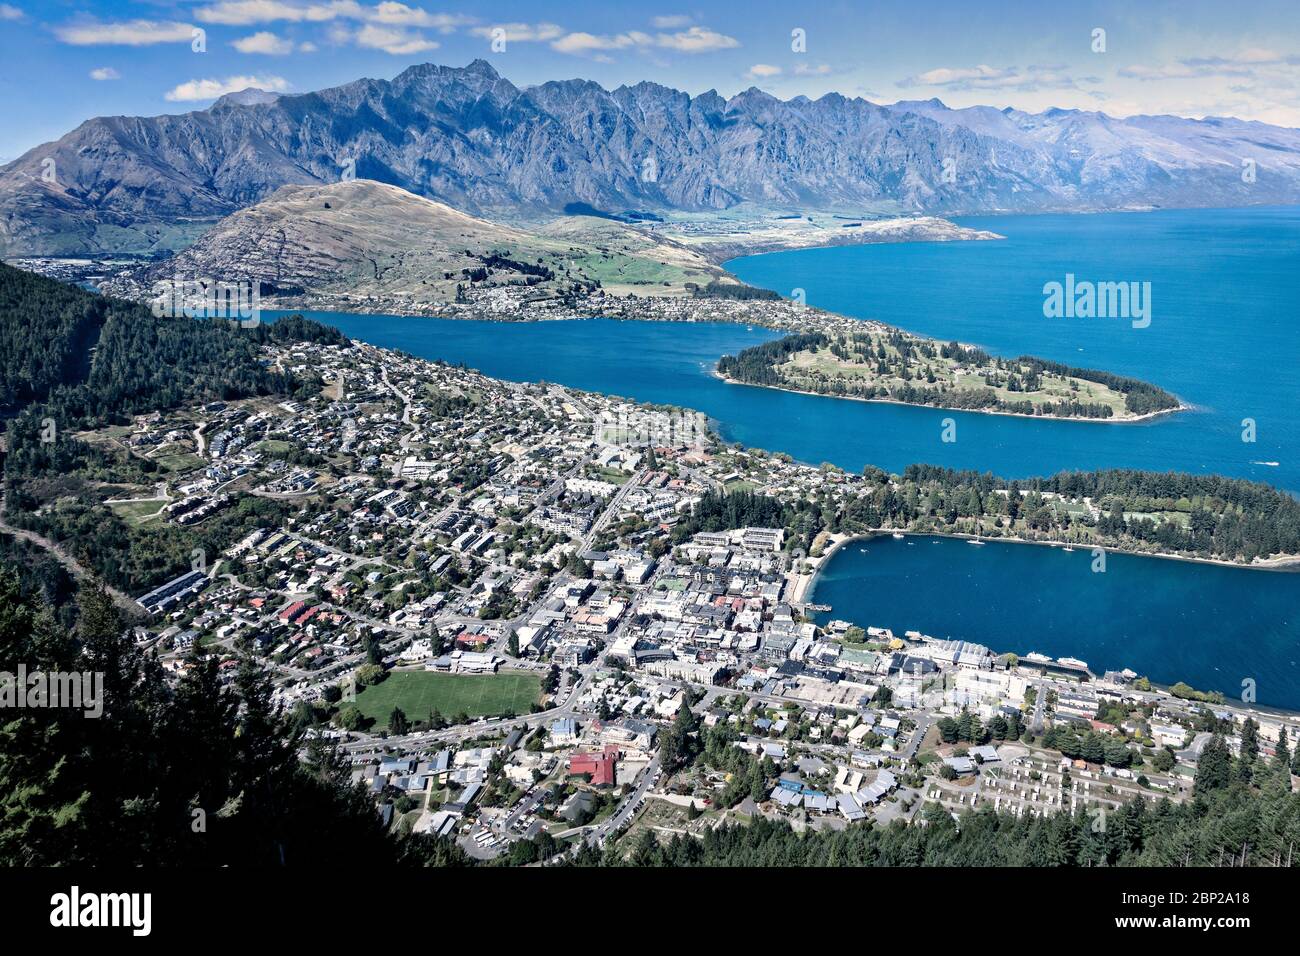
(63, 62)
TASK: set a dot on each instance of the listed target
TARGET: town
(499, 603)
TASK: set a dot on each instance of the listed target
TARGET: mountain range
(471, 139)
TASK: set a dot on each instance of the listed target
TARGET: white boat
(896, 536)
(974, 541)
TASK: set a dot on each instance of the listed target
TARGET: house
(848, 780)
(963, 766)
(1168, 736)
(875, 791)
(773, 751)
(601, 767)
(849, 808)
(396, 765)
(579, 808)
(564, 731)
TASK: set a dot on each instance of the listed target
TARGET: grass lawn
(135, 512)
(479, 695)
(810, 369)
(179, 461)
(613, 475)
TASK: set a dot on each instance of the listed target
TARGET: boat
(1270, 464)
(974, 541)
(897, 536)
(1068, 548)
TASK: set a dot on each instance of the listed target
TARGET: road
(645, 781)
(913, 745)
(128, 604)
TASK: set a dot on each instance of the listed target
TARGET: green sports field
(479, 695)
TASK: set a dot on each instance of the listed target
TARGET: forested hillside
(74, 360)
(47, 330)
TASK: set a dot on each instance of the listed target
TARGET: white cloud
(947, 76)
(399, 14)
(671, 22)
(587, 42)
(211, 89)
(521, 32)
(1250, 62)
(8, 12)
(393, 40)
(124, 33)
(696, 40)
(105, 73)
(762, 70)
(240, 13)
(984, 77)
(804, 69)
(389, 13)
(264, 42)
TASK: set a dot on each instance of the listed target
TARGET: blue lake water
(661, 362)
(1211, 626)
(1223, 336)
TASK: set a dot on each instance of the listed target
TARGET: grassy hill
(363, 241)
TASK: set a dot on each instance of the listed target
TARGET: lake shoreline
(1285, 565)
(723, 320)
(1182, 407)
(1162, 684)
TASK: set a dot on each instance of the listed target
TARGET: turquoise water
(1223, 337)
(1211, 626)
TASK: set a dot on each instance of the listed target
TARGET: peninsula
(368, 247)
(882, 364)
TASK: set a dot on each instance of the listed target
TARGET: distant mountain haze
(473, 140)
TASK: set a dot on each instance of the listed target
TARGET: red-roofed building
(292, 611)
(600, 766)
(466, 639)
